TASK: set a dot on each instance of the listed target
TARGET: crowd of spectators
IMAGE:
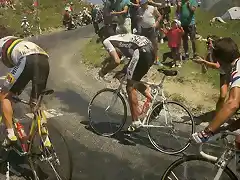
(152, 20)
(7, 4)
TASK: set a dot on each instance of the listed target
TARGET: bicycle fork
(223, 161)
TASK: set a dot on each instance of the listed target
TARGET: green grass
(50, 14)
(94, 54)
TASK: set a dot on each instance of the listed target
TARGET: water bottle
(144, 108)
(21, 134)
(20, 130)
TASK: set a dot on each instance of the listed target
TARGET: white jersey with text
(235, 75)
(13, 49)
(127, 43)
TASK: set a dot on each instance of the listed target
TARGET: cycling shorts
(33, 68)
(140, 63)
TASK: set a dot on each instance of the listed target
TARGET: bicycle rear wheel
(54, 162)
(171, 126)
(205, 169)
(110, 103)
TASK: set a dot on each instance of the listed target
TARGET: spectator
(148, 24)
(187, 17)
(133, 14)
(174, 36)
(211, 62)
(94, 12)
(166, 11)
(178, 9)
(109, 28)
(121, 8)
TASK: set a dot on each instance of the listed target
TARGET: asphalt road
(94, 157)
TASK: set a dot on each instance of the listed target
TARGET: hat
(177, 22)
(143, 2)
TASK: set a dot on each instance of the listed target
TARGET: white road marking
(50, 113)
(2, 77)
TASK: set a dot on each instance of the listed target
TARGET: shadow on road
(92, 164)
(77, 104)
(205, 117)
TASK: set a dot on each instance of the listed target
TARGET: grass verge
(50, 13)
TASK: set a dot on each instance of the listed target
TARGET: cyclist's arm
(111, 50)
(230, 106)
(227, 110)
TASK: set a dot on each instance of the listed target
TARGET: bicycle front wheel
(196, 167)
(107, 112)
(170, 126)
(54, 161)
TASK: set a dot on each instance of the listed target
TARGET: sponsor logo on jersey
(9, 78)
(125, 45)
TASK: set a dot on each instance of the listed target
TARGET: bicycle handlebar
(205, 155)
(217, 137)
(17, 99)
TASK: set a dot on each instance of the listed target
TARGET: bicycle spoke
(177, 134)
(111, 119)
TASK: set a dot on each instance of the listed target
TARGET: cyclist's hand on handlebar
(201, 137)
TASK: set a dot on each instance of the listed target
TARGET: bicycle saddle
(47, 92)
(168, 72)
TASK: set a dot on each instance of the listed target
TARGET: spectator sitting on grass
(174, 36)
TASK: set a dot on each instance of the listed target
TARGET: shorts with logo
(33, 68)
(140, 63)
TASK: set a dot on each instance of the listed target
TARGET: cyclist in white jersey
(28, 62)
(140, 50)
(225, 52)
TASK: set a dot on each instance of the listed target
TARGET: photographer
(211, 63)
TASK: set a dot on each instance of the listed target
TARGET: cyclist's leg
(15, 82)
(40, 66)
(138, 67)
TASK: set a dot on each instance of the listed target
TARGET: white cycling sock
(10, 132)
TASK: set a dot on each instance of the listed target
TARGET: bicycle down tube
(224, 159)
(158, 87)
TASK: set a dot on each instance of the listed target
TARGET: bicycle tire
(158, 106)
(123, 121)
(188, 158)
(67, 164)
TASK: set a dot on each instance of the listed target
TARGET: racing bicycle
(207, 166)
(166, 121)
(40, 147)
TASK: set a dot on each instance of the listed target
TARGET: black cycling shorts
(33, 68)
(140, 63)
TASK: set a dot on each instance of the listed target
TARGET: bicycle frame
(35, 126)
(225, 158)
(159, 90)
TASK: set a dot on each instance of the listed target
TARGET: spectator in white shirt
(148, 19)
